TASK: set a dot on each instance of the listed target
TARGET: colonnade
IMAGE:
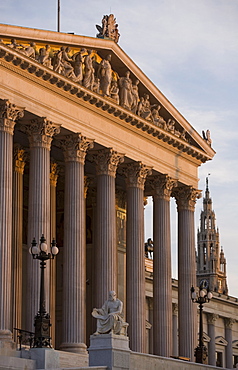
(41, 187)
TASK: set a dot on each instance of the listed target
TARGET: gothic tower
(211, 262)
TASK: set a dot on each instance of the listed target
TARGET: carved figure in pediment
(114, 91)
(125, 91)
(77, 61)
(156, 118)
(15, 45)
(88, 79)
(135, 96)
(171, 125)
(30, 50)
(144, 110)
(44, 56)
(96, 85)
(105, 75)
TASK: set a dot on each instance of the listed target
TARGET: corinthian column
(162, 283)
(211, 319)
(40, 133)
(53, 182)
(228, 336)
(107, 161)
(8, 115)
(136, 174)
(17, 219)
(75, 147)
(186, 198)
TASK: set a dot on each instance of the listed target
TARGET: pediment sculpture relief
(86, 68)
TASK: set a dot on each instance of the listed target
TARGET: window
(219, 360)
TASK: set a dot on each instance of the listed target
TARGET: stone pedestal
(109, 350)
(46, 358)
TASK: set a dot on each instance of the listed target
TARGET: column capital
(186, 197)
(162, 186)
(211, 318)
(107, 161)
(19, 156)
(54, 173)
(136, 174)
(229, 322)
(40, 132)
(9, 113)
(75, 147)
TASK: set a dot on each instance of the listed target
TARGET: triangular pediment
(221, 340)
(168, 126)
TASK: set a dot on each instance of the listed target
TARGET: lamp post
(202, 296)
(42, 319)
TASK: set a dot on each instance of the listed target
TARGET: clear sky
(189, 49)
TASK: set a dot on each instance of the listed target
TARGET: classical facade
(85, 137)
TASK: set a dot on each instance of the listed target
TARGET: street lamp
(42, 319)
(202, 296)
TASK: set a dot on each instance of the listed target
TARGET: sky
(189, 50)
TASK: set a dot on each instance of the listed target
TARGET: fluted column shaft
(107, 161)
(228, 336)
(40, 133)
(53, 183)
(74, 269)
(17, 221)
(162, 286)
(175, 329)
(8, 114)
(211, 318)
(186, 198)
(135, 257)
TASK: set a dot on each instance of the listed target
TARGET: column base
(109, 350)
(80, 348)
(6, 342)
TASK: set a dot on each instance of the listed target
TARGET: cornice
(10, 57)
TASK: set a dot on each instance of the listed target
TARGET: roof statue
(109, 28)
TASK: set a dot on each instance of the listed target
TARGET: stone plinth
(46, 358)
(109, 350)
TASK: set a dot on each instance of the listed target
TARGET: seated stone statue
(109, 317)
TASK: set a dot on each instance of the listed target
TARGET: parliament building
(85, 137)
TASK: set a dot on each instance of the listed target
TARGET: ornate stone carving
(75, 147)
(136, 174)
(54, 173)
(109, 28)
(107, 161)
(19, 156)
(175, 309)
(163, 186)
(207, 137)
(84, 70)
(211, 318)
(110, 317)
(105, 75)
(186, 197)
(40, 132)
(9, 113)
(229, 322)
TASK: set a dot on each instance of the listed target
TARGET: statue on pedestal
(109, 317)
